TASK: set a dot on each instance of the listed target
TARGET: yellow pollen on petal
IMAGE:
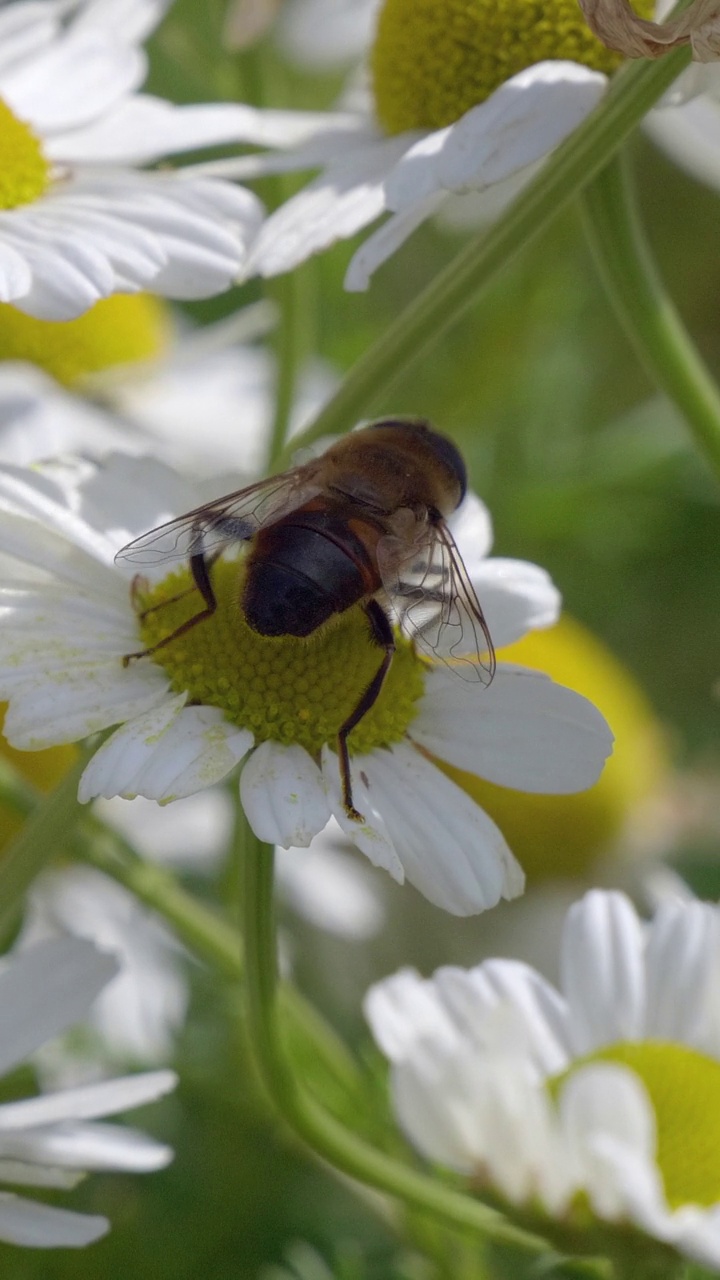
(432, 60)
(285, 689)
(123, 329)
(684, 1089)
(24, 171)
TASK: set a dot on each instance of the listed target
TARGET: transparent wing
(234, 518)
(435, 602)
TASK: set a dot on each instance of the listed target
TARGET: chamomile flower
(591, 1105)
(201, 400)
(464, 102)
(222, 695)
(51, 1141)
(464, 98)
(79, 220)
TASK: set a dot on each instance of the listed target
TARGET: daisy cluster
(407, 737)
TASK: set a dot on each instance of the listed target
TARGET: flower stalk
(645, 310)
(48, 831)
(311, 1122)
(633, 91)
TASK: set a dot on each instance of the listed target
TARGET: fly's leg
(200, 566)
(140, 586)
(383, 636)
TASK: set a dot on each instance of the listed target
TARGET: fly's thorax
(396, 463)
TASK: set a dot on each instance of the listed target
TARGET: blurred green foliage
(586, 471)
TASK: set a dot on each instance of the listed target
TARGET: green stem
(644, 309)
(289, 345)
(309, 1120)
(210, 938)
(632, 92)
(46, 833)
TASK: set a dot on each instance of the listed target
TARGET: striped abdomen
(308, 566)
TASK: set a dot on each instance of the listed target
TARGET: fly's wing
(435, 602)
(218, 524)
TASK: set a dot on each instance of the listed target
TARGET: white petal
(449, 849)
(520, 123)
(45, 990)
(109, 230)
(26, 28)
(690, 135)
(319, 36)
(104, 1099)
(371, 836)
(337, 204)
(478, 999)
(471, 527)
(602, 1105)
(603, 974)
(516, 597)
(40, 1226)
(15, 273)
(405, 1009)
(88, 1147)
(66, 695)
(74, 81)
(436, 1105)
(521, 731)
(142, 129)
(283, 795)
(383, 243)
(682, 961)
(169, 752)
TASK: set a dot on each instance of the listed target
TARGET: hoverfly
(364, 524)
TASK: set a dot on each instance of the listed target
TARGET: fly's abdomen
(303, 570)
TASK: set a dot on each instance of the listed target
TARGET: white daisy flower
(216, 377)
(465, 102)
(78, 220)
(223, 695)
(54, 1139)
(602, 1094)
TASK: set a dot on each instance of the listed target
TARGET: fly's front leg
(383, 636)
(200, 566)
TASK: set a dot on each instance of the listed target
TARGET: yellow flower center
(684, 1090)
(435, 59)
(44, 769)
(118, 330)
(283, 689)
(24, 171)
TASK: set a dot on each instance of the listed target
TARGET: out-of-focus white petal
(45, 990)
(41, 1226)
(603, 973)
